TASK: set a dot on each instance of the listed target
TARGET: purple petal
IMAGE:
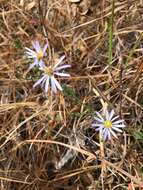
(119, 121)
(36, 45)
(119, 126)
(57, 84)
(62, 74)
(45, 47)
(31, 56)
(107, 115)
(29, 50)
(113, 133)
(41, 64)
(97, 125)
(47, 84)
(98, 129)
(105, 134)
(31, 66)
(98, 114)
(53, 86)
(117, 129)
(60, 60)
(114, 118)
(98, 119)
(36, 62)
(44, 80)
(39, 81)
(62, 67)
(111, 114)
(109, 134)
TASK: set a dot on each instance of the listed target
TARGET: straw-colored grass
(46, 141)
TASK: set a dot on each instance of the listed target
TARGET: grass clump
(63, 131)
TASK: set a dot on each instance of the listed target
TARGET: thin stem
(103, 164)
(110, 28)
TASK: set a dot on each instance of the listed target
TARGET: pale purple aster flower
(37, 55)
(48, 77)
(108, 124)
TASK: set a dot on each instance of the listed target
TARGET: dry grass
(46, 142)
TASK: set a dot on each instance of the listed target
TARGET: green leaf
(18, 44)
(70, 93)
(138, 135)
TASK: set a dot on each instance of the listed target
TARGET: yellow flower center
(39, 55)
(48, 71)
(107, 124)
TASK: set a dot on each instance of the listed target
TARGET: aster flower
(107, 125)
(48, 77)
(37, 55)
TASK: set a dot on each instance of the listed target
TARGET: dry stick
(121, 86)
(134, 47)
(132, 101)
(110, 33)
(110, 57)
(82, 151)
(71, 78)
(100, 93)
(90, 155)
(103, 164)
(134, 179)
(10, 136)
(89, 168)
(140, 68)
(14, 180)
(136, 76)
(42, 20)
(76, 172)
(94, 20)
